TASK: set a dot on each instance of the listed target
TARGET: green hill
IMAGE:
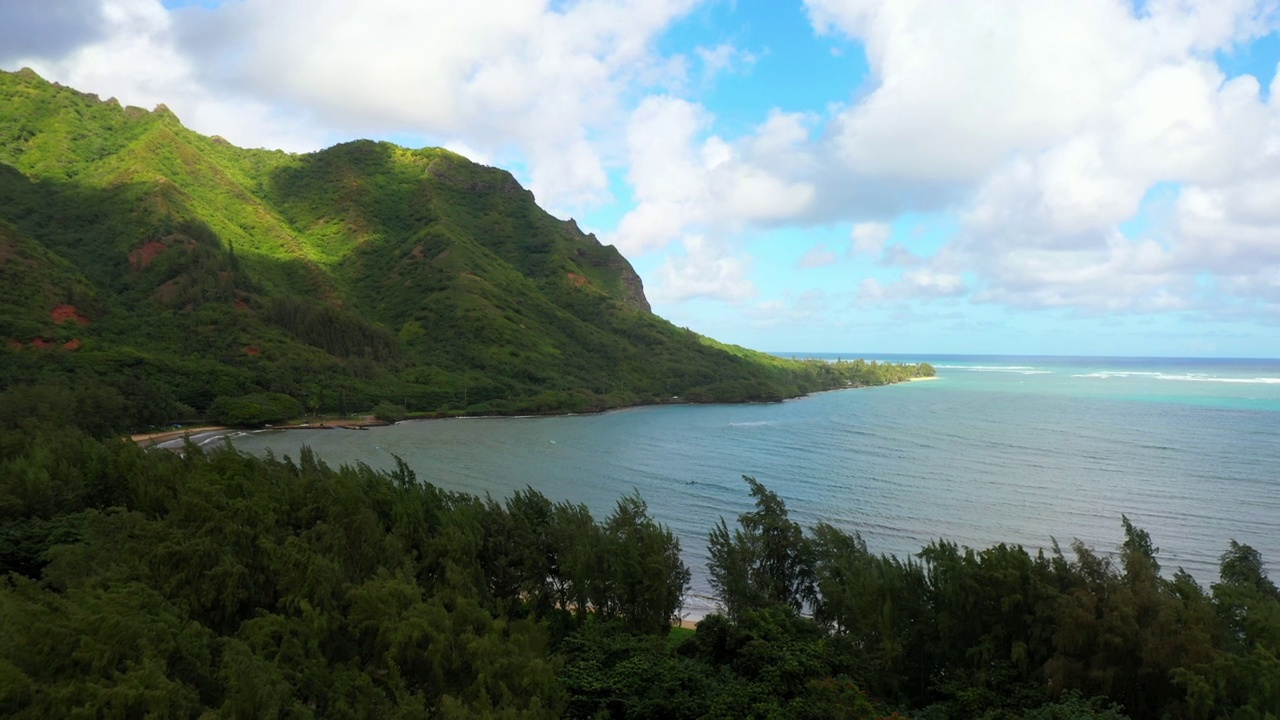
(149, 271)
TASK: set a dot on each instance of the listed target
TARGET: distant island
(152, 275)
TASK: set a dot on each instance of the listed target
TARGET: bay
(996, 449)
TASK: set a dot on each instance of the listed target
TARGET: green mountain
(149, 271)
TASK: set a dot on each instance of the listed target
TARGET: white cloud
(1060, 116)
(724, 58)
(897, 255)
(1045, 124)
(870, 290)
(869, 237)
(1042, 125)
(509, 74)
(683, 183)
(810, 309)
(929, 283)
(962, 85)
(818, 256)
(134, 35)
(509, 78)
(706, 269)
(135, 54)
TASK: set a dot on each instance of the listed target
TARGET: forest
(208, 583)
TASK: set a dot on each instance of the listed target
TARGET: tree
(766, 561)
(643, 579)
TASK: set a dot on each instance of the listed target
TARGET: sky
(1049, 177)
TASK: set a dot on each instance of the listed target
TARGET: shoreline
(163, 437)
(364, 422)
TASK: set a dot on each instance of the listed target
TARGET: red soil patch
(71, 345)
(143, 256)
(242, 305)
(63, 313)
(42, 343)
(252, 350)
(577, 280)
(169, 291)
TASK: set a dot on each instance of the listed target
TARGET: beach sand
(157, 438)
(203, 434)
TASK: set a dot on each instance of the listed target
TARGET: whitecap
(1232, 380)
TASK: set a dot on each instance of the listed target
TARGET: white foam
(1105, 374)
(1237, 381)
(1019, 369)
(1188, 377)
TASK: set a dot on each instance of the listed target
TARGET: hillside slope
(161, 270)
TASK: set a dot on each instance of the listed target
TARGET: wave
(1190, 377)
(1239, 381)
(1019, 369)
(1106, 374)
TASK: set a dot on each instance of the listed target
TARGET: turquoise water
(1019, 450)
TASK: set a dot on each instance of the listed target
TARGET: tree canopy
(210, 583)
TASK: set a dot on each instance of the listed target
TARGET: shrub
(254, 410)
(389, 412)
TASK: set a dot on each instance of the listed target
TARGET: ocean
(1022, 450)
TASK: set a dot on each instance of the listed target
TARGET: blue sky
(1043, 177)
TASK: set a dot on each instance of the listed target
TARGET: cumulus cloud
(136, 52)
(963, 85)
(1043, 126)
(515, 78)
(929, 283)
(514, 73)
(1059, 117)
(869, 237)
(684, 181)
(706, 269)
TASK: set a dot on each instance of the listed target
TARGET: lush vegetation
(149, 274)
(211, 584)
(138, 257)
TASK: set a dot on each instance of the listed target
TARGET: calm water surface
(996, 449)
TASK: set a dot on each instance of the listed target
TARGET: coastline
(164, 436)
(204, 434)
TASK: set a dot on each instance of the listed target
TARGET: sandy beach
(205, 434)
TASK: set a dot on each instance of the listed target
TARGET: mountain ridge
(358, 274)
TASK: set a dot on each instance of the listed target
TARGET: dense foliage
(149, 274)
(140, 258)
(138, 582)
